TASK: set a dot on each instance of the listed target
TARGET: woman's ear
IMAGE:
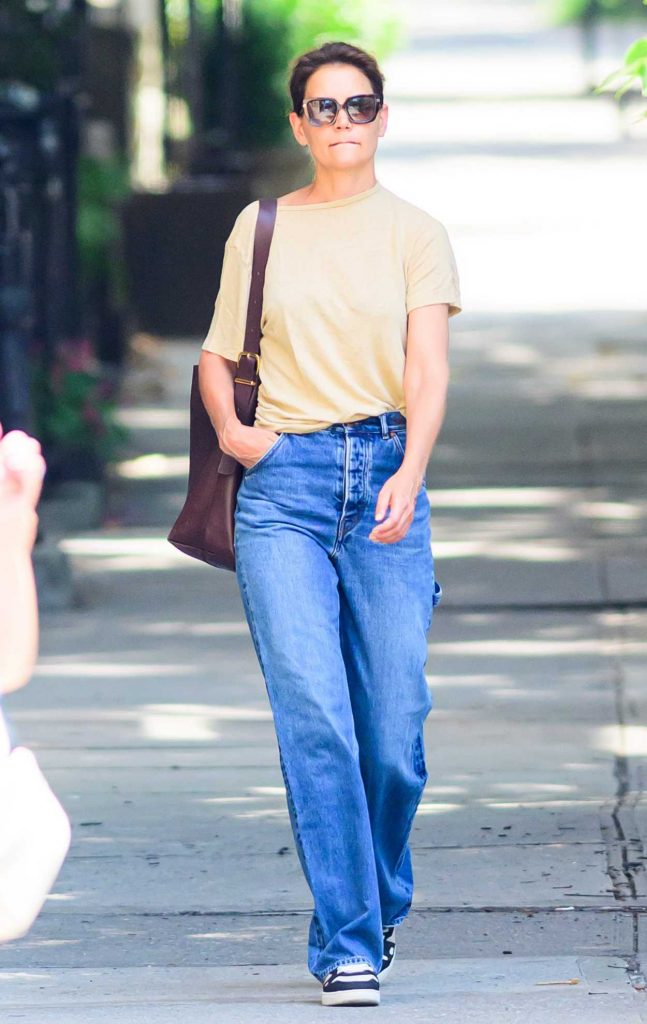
(297, 130)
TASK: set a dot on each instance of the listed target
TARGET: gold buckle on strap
(254, 355)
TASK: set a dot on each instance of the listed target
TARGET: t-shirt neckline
(331, 202)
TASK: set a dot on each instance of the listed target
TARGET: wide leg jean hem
(321, 975)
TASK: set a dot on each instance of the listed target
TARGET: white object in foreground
(35, 835)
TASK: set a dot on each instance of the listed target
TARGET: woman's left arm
(426, 379)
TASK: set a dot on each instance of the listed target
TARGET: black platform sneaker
(351, 985)
(389, 951)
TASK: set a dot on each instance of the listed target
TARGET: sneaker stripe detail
(389, 949)
(355, 977)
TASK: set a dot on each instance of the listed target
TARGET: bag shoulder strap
(262, 241)
(246, 379)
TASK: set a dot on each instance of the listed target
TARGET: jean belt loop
(384, 424)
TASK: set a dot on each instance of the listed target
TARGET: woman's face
(341, 145)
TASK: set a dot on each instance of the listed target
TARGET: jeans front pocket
(266, 455)
(399, 437)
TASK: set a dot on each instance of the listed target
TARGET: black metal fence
(39, 148)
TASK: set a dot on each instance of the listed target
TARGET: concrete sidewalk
(182, 894)
(566, 989)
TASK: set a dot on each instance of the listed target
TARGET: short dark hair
(332, 53)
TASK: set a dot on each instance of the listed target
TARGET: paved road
(182, 897)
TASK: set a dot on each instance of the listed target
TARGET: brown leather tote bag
(204, 528)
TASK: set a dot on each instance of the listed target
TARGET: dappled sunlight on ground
(110, 669)
(622, 740)
(519, 648)
(538, 551)
(192, 628)
(153, 466)
(127, 553)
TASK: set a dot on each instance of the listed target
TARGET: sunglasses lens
(322, 111)
(362, 108)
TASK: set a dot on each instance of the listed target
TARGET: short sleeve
(431, 272)
(226, 332)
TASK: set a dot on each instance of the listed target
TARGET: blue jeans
(339, 624)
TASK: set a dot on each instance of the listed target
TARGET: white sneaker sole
(359, 998)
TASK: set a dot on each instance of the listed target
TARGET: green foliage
(563, 12)
(102, 185)
(74, 404)
(366, 23)
(633, 68)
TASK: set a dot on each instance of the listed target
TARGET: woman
(332, 535)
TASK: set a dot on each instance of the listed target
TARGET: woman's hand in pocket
(398, 495)
(248, 444)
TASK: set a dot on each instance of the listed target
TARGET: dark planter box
(173, 243)
(66, 463)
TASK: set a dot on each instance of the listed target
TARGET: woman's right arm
(216, 378)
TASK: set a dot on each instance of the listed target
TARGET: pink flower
(90, 416)
(78, 356)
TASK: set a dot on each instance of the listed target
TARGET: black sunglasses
(361, 109)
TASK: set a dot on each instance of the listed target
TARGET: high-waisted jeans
(339, 624)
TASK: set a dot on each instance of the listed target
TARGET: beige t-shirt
(341, 278)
